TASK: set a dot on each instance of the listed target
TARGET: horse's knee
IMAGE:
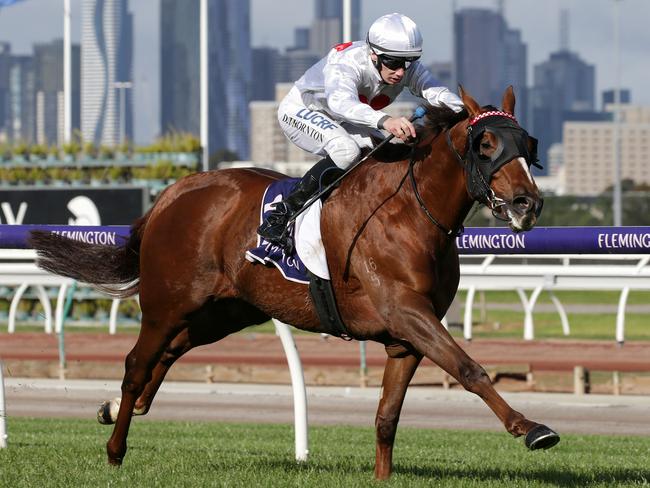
(386, 426)
(134, 382)
(474, 378)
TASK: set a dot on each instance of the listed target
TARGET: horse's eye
(486, 145)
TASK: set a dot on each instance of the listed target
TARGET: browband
(491, 113)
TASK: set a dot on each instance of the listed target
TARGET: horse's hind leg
(214, 321)
(181, 344)
(399, 369)
(196, 334)
(211, 323)
(153, 338)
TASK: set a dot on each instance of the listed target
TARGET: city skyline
(591, 31)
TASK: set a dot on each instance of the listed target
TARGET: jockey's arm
(343, 99)
(423, 84)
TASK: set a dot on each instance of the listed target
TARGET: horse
(390, 248)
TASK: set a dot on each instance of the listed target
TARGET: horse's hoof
(541, 437)
(107, 413)
(115, 462)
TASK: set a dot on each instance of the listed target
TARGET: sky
(273, 21)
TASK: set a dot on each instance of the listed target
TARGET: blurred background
(134, 115)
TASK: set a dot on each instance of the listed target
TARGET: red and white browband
(491, 113)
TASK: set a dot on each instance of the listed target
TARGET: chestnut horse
(391, 254)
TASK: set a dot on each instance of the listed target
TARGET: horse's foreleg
(150, 345)
(399, 369)
(427, 335)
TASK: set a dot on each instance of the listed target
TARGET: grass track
(46, 452)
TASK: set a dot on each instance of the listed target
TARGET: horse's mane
(438, 119)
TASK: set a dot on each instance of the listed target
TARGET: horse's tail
(112, 270)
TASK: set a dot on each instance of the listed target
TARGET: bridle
(478, 171)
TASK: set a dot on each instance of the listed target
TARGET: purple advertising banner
(16, 236)
(555, 240)
(475, 240)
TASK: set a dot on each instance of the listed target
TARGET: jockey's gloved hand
(400, 127)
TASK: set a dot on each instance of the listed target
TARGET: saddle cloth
(309, 254)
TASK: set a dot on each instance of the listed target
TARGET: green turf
(566, 297)
(70, 453)
(509, 324)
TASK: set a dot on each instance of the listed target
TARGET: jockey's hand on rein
(400, 127)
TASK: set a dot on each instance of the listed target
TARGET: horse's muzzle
(523, 211)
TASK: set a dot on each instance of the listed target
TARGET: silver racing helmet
(396, 36)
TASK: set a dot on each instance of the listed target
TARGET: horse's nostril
(523, 203)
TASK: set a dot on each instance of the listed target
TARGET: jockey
(334, 109)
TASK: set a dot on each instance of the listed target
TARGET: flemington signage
(491, 241)
(103, 237)
(625, 240)
(17, 236)
(556, 240)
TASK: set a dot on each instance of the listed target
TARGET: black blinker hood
(512, 143)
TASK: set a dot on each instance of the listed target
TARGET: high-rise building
(327, 28)
(230, 71)
(106, 71)
(5, 64)
(21, 99)
(301, 38)
(267, 63)
(179, 66)
(563, 91)
(489, 56)
(230, 76)
(48, 91)
(296, 62)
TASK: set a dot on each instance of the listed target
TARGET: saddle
(307, 263)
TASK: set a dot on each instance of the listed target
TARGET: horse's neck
(441, 183)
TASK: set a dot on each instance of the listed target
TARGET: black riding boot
(273, 227)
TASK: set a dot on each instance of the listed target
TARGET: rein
(434, 221)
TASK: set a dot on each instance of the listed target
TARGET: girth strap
(322, 294)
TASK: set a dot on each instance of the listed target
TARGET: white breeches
(317, 133)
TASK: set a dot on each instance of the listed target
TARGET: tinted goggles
(395, 63)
